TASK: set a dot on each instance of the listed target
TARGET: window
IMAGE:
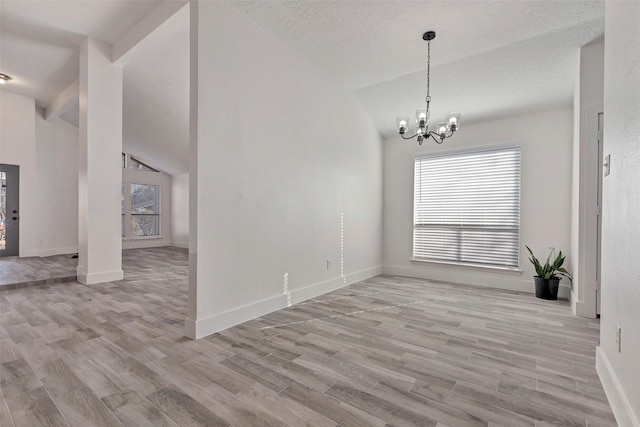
(467, 208)
(122, 208)
(138, 165)
(130, 162)
(145, 210)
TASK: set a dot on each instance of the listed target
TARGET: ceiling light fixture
(443, 129)
(4, 78)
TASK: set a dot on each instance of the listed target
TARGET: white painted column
(100, 170)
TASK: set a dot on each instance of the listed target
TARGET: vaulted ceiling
(490, 59)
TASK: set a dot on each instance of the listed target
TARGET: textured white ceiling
(363, 43)
(489, 59)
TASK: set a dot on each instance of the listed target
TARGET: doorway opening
(9, 210)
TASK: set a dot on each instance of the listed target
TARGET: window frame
(460, 262)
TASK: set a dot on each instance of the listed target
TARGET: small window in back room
(145, 211)
(138, 165)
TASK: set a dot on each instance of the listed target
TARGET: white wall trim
(573, 300)
(615, 394)
(154, 242)
(57, 251)
(450, 275)
(216, 323)
(190, 328)
(104, 276)
(219, 322)
(580, 308)
(27, 253)
(177, 244)
(312, 291)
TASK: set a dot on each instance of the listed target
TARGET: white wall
(620, 371)
(180, 210)
(132, 176)
(57, 186)
(588, 99)
(18, 147)
(545, 219)
(288, 165)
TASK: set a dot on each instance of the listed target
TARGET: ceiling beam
(149, 25)
(65, 100)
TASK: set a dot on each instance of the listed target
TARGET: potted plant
(547, 278)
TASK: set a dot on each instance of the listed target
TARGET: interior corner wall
(545, 206)
(588, 102)
(18, 147)
(572, 264)
(618, 365)
(289, 178)
(180, 210)
(57, 186)
(133, 176)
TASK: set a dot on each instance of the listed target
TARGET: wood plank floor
(35, 271)
(385, 351)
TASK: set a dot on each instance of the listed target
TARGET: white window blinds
(467, 207)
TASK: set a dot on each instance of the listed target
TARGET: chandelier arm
(411, 137)
(435, 137)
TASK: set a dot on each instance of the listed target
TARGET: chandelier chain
(428, 70)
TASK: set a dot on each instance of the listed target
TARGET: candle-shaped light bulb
(454, 121)
(403, 124)
(422, 118)
(442, 130)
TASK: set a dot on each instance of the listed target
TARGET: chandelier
(443, 129)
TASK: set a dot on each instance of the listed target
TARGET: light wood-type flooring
(386, 351)
(35, 271)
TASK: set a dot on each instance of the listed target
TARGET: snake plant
(548, 271)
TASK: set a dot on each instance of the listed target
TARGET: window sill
(496, 269)
(142, 238)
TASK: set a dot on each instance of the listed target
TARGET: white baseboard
(580, 308)
(299, 295)
(57, 251)
(101, 277)
(573, 300)
(190, 328)
(28, 253)
(507, 281)
(219, 322)
(184, 245)
(618, 400)
(216, 323)
(144, 243)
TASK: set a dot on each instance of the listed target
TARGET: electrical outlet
(328, 264)
(619, 338)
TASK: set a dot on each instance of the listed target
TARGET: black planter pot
(547, 288)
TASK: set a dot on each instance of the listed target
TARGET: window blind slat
(467, 207)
